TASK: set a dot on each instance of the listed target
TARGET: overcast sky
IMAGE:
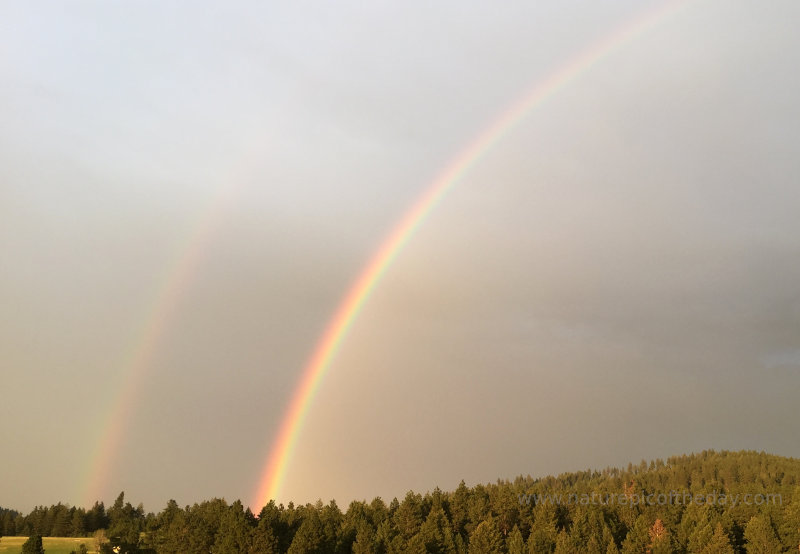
(616, 279)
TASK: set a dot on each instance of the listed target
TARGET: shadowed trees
(33, 545)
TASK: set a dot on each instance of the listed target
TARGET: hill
(722, 502)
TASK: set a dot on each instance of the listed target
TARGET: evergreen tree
(490, 518)
(264, 540)
(505, 505)
(234, 535)
(96, 518)
(760, 536)
(435, 535)
(172, 529)
(595, 545)
(638, 538)
(365, 540)
(125, 524)
(310, 536)
(542, 539)
(331, 519)
(701, 537)
(409, 515)
(719, 543)
(33, 545)
(78, 523)
(486, 539)
(478, 508)
(514, 542)
(62, 521)
(790, 528)
(564, 544)
(386, 537)
(275, 518)
(459, 511)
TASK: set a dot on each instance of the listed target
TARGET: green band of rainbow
(280, 455)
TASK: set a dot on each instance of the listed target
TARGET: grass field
(52, 545)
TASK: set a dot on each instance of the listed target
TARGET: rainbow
(274, 470)
(136, 369)
(157, 318)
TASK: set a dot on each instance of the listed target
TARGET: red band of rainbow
(280, 455)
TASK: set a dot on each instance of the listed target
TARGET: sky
(187, 192)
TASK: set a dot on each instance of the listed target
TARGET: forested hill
(712, 502)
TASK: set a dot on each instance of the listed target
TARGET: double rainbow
(167, 298)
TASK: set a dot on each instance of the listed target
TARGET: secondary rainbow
(158, 316)
(274, 470)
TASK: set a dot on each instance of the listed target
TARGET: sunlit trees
(543, 535)
(524, 516)
(660, 539)
(486, 539)
(638, 537)
(760, 536)
(125, 524)
(514, 542)
(234, 534)
(408, 517)
(718, 543)
(435, 534)
(790, 527)
(310, 537)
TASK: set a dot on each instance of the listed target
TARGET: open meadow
(52, 545)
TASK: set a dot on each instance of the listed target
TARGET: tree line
(650, 507)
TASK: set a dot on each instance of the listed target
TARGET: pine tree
(61, 521)
(459, 503)
(264, 540)
(700, 537)
(310, 536)
(564, 544)
(542, 539)
(33, 545)
(609, 542)
(790, 528)
(486, 539)
(96, 518)
(409, 515)
(760, 536)
(365, 541)
(234, 535)
(719, 543)
(514, 542)
(637, 539)
(78, 524)
(435, 535)
(478, 508)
